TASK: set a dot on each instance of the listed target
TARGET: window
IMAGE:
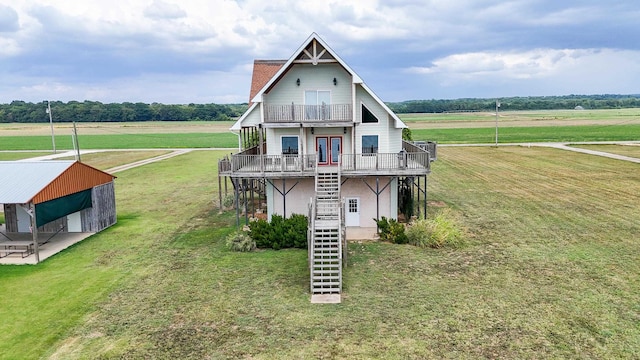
(367, 116)
(317, 104)
(352, 206)
(369, 144)
(290, 145)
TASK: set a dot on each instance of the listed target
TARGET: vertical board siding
(55, 226)
(10, 218)
(102, 213)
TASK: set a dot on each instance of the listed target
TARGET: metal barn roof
(40, 181)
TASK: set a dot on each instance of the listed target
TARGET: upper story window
(317, 104)
(369, 144)
(290, 145)
(367, 116)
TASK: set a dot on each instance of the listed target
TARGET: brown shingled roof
(263, 71)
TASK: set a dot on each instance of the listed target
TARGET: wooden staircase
(326, 234)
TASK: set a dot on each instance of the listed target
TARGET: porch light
(298, 82)
(335, 81)
(344, 130)
(312, 131)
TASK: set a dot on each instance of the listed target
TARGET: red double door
(328, 149)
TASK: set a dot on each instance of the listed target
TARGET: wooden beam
(34, 231)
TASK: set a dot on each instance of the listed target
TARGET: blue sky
(201, 51)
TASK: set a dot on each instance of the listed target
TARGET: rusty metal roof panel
(24, 181)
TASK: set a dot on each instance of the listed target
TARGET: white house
(323, 144)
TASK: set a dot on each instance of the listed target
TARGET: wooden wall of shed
(10, 218)
(102, 212)
(55, 226)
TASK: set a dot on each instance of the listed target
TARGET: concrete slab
(326, 299)
(362, 233)
(56, 243)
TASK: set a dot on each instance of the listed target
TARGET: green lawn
(10, 156)
(550, 272)
(616, 130)
(123, 141)
(530, 134)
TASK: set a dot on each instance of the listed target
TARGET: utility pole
(53, 139)
(76, 145)
(497, 107)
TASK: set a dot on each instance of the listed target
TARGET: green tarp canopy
(57, 208)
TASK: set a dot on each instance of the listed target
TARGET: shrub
(280, 233)
(240, 241)
(228, 201)
(441, 231)
(391, 230)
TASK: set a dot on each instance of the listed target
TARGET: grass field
(626, 150)
(514, 126)
(10, 156)
(108, 159)
(550, 272)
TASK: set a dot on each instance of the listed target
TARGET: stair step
(332, 272)
(328, 283)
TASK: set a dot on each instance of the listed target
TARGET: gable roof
(263, 71)
(284, 67)
(40, 181)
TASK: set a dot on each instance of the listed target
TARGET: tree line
(94, 111)
(518, 103)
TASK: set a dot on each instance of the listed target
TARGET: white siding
(389, 138)
(274, 136)
(253, 119)
(318, 77)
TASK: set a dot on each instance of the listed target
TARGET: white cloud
(147, 48)
(163, 10)
(520, 65)
(8, 19)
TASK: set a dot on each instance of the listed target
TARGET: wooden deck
(277, 166)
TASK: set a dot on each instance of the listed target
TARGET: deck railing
(241, 163)
(420, 146)
(307, 113)
(401, 161)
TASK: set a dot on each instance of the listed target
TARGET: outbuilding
(52, 197)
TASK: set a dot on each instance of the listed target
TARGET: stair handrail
(311, 221)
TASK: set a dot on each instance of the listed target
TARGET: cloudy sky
(201, 51)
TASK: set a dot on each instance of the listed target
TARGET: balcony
(276, 166)
(308, 113)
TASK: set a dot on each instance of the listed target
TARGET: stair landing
(326, 299)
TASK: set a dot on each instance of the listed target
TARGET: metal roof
(20, 181)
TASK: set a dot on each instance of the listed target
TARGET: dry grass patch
(107, 159)
(631, 150)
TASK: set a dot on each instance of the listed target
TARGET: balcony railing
(307, 113)
(263, 164)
